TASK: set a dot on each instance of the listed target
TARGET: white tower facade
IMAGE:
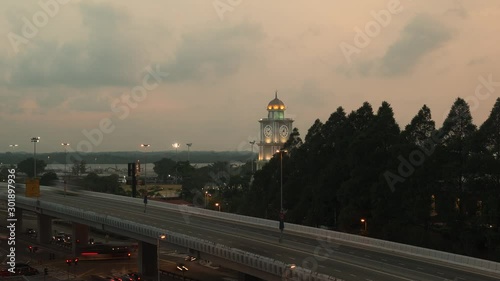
(274, 131)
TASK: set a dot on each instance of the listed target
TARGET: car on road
(31, 232)
(135, 276)
(61, 238)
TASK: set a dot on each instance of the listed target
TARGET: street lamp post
(65, 144)
(363, 221)
(176, 146)
(206, 197)
(159, 238)
(146, 166)
(217, 205)
(281, 177)
(252, 143)
(282, 213)
(13, 145)
(189, 146)
(289, 271)
(34, 140)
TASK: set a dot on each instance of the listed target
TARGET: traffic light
(46, 271)
(75, 261)
(30, 248)
(68, 262)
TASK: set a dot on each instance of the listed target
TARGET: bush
(48, 178)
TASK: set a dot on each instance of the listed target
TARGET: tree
(487, 177)
(164, 168)
(489, 142)
(26, 166)
(79, 167)
(421, 127)
(106, 184)
(4, 172)
(48, 178)
(456, 135)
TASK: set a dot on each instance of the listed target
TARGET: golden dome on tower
(276, 104)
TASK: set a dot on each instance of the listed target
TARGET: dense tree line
(222, 181)
(242, 155)
(421, 185)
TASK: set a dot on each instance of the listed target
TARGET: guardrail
(258, 262)
(399, 248)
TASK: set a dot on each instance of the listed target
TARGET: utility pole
(189, 146)
(252, 143)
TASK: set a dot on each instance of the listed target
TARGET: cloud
(90, 103)
(458, 9)
(477, 61)
(218, 51)
(421, 36)
(309, 95)
(108, 56)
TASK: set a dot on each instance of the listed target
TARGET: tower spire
(276, 94)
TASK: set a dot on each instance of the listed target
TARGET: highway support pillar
(80, 236)
(44, 228)
(147, 259)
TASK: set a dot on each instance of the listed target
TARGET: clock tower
(274, 130)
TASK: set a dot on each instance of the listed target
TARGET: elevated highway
(252, 245)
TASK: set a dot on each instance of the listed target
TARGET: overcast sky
(204, 73)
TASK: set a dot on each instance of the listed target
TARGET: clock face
(268, 131)
(284, 131)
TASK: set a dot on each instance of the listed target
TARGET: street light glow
(160, 237)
